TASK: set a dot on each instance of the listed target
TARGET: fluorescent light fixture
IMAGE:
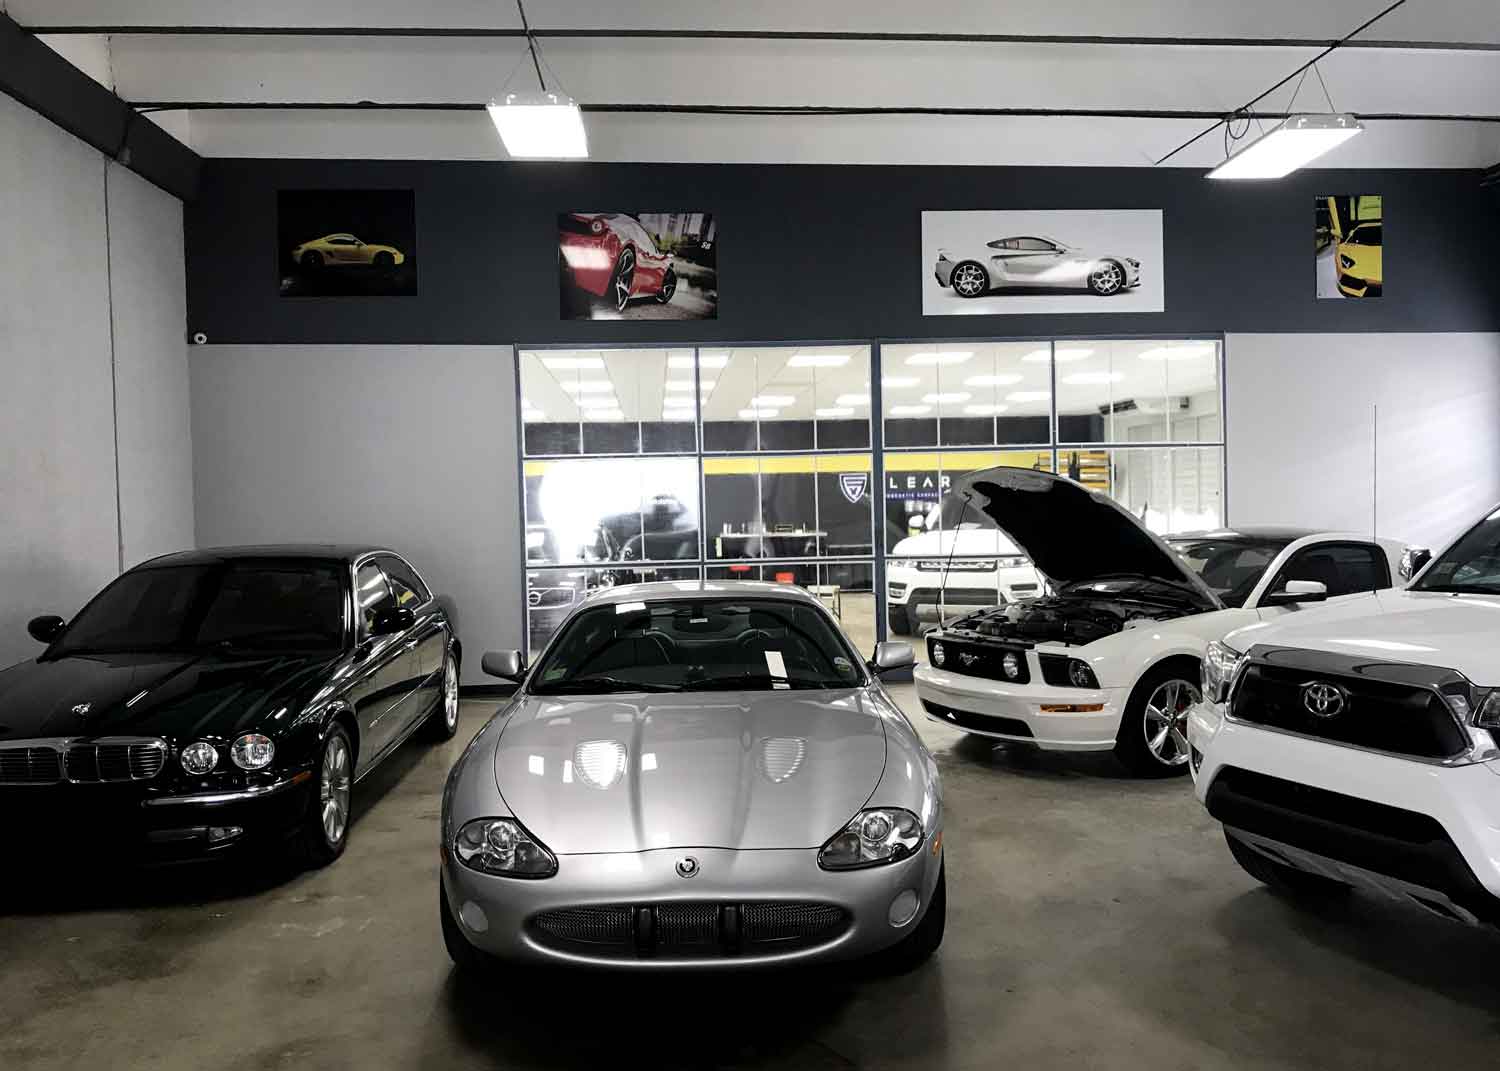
(1038, 357)
(687, 384)
(1028, 396)
(985, 410)
(586, 386)
(852, 399)
(540, 126)
(1003, 379)
(899, 381)
(951, 398)
(1065, 354)
(763, 400)
(1295, 142)
(572, 364)
(1183, 351)
(1080, 379)
(603, 414)
(834, 412)
(939, 357)
(910, 410)
(818, 360)
(598, 403)
(758, 414)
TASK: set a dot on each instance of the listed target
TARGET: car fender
(910, 777)
(1119, 661)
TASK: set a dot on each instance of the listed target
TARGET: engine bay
(1073, 620)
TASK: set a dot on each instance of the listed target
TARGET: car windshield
(1472, 565)
(261, 606)
(1230, 567)
(1366, 234)
(697, 645)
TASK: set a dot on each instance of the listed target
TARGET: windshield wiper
(1459, 589)
(754, 682)
(601, 686)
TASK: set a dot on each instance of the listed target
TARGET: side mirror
(390, 620)
(1413, 559)
(507, 665)
(1297, 591)
(46, 628)
(892, 655)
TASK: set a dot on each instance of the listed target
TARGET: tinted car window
(1344, 568)
(146, 609)
(1470, 565)
(1230, 567)
(370, 594)
(1035, 245)
(1367, 234)
(686, 645)
(406, 586)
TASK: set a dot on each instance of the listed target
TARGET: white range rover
(940, 574)
(1108, 660)
(1357, 746)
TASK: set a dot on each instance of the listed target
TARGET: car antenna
(943, 581)
(1374, 470)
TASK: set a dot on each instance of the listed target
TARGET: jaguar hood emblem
(82, 709)
(687, 867)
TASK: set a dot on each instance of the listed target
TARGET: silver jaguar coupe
(694, 775)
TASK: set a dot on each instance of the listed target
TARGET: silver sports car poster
(991, 263)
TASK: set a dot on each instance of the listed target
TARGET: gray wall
(1305, 446)
(61, 512)
(410, 446)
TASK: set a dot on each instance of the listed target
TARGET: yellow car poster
(1349, 237)
(338, 243)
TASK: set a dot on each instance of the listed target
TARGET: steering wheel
(745, 637)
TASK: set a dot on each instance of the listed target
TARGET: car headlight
(1220, 663)
(1488, 714)
(872, 838)
(199, 757)
(1016, 562)
(1346, 260)
(1011, 665)
(252, 751)
(1081, 674)
(500, 846)
(939, 656)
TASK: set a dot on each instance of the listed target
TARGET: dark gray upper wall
(826, 252)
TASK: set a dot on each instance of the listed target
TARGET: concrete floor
(1094, 922)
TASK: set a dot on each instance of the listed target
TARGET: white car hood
(1427, 628)
(960, 541)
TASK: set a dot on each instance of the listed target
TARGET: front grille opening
(979, 723)
(689, 929)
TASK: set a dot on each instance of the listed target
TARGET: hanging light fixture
(1295, 142)
(539, 126)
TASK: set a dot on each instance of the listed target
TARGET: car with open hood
(694, 774)
(209, 700)
(1108, 660)
(1359, 748)
(1034, 262)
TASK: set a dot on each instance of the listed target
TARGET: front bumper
(1014, 711)
(942, 271)
(494, 914)
(1463, 800)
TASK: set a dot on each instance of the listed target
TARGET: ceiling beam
(766, 35)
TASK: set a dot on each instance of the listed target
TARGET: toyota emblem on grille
(687, 867)
(1323, 700)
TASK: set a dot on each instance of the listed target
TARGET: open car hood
(1072, 533)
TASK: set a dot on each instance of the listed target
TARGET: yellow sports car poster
(335, 243)
(1349, 237)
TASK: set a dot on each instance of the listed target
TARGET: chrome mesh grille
(30, 766)
(690, 929)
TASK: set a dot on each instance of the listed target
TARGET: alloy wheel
(450, 693)
(1107, 280)
(1166, 721)
(623, 278)
(968, 279)
(333, 789)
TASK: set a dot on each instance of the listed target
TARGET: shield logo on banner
(854, 485)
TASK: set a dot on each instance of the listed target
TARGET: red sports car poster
(638, 266)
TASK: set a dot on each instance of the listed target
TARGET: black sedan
(213, 699)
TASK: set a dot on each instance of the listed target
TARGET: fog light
(473, 917)
(219, 834)
(903, 908)
(1012, 665)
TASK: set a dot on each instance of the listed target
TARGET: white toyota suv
(1357, 746)
(1109, 659)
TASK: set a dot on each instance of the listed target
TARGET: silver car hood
(778, 769)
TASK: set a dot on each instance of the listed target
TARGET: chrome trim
(64, 744)
(237, 796)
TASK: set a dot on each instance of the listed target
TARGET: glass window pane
(1170, 489)
(1138, 391)
(914, 482)
(788, 506)
(611, 509)
(846, 588)
(551, 594)
(728, 383)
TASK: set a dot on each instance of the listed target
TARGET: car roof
(310, 551)
(1252, 531)
(675, 589)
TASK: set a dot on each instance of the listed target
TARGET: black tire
(384, 261)
(313, 845)
(442, 723)
(900, 619)
(668, 287)
(312, 259)
(975, 281)
(1282, 878)
(1108, 278)
(1138, 725)
(917, 947)
(619, 282)
(466, 958)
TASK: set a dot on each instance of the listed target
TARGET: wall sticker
(336, 243)
(992, 263)
(638, 266)
(1349, 232)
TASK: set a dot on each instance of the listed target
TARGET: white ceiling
(1414, 78)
